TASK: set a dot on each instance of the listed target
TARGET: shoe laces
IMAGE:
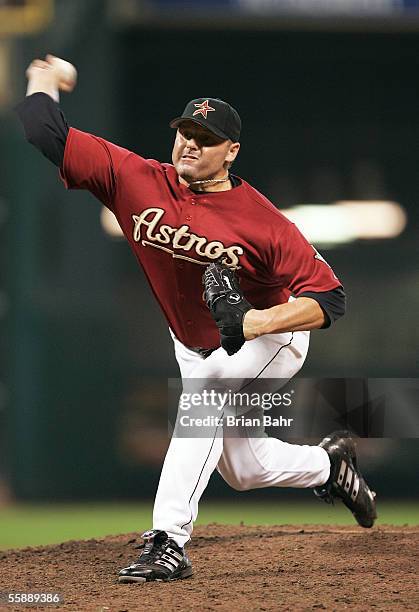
(151, 549)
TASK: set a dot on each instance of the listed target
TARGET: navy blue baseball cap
(214, 114)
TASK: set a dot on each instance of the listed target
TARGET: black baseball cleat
(345, 480)
(161, 560)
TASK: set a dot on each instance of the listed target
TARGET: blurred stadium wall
(328, 103)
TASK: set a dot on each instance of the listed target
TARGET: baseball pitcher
(238, 284)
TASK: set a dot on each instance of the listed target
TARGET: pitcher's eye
(186, 134)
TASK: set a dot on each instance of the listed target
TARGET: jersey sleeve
(298, 266)
(92, 163)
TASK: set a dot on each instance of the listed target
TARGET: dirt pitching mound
(236, 568)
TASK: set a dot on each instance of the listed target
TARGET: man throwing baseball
(240, 288)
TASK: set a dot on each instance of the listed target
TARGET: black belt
(202, 351)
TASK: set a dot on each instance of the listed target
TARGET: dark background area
(85, 352)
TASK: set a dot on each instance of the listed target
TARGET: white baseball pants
(244, 462)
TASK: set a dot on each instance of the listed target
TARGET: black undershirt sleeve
(333, 303)
(45, 125)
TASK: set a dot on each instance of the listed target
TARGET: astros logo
(204, 108)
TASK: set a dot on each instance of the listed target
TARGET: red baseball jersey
(176, 232)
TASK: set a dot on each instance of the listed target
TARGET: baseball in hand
(66, 72)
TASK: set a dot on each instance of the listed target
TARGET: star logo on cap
(203, 109)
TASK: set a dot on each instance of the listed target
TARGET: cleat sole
(186, 573)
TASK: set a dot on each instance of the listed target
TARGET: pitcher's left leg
(190, 462)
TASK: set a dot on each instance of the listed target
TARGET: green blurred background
(329, 113)
(33, 525)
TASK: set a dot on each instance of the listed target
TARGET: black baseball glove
(227, 305)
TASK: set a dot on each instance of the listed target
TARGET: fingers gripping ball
(66, 73)
(227, 305)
